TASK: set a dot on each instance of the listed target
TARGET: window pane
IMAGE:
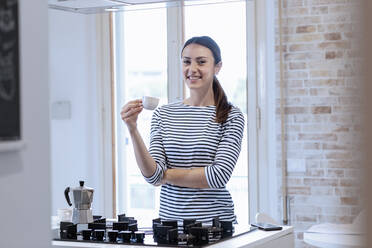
(225, 23)
(143, 72)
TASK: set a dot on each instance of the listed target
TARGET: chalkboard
(10, 126)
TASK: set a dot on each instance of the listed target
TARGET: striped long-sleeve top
(184, 136)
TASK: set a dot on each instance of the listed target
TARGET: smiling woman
(194, 143)
(143, 54)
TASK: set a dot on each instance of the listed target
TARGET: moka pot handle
(67, 196)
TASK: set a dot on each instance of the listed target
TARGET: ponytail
(223, 107)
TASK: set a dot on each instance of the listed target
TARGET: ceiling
(100, 6)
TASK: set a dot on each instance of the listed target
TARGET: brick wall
(322, 104)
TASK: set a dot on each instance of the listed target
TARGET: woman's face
(198, 66)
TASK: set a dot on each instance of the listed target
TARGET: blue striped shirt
(184, 136)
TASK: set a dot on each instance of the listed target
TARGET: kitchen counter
(256, 239)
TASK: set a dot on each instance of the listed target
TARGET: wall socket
(61, 110)
(296, 165)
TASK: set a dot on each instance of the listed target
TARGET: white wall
(25, 175)
(75, 149)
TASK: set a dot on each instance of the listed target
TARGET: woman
(194, 144)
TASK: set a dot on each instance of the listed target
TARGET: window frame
(263, 183)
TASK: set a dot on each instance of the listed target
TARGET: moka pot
(82, 199)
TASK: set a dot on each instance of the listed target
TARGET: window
(142, 69)
(225, 23)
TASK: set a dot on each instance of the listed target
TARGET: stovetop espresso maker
(82, 198)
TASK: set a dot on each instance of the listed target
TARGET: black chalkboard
(10, 127)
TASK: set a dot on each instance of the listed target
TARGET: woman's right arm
(129, 114)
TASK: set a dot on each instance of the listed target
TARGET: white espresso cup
(150, 102)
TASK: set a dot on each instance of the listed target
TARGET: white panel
(74, 141)
(25, 175)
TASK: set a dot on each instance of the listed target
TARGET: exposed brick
(305, 37)
(343, 91)
(301, 47)
(292, 3)
(297, 92)
(310, 119)
(299, 190)
(295, 74)
(327, 191)
(326, 2)
(339, 8)
(294, 83)
(297, 11)
(336, 18)
(321, 110)
(350, 100)
(354, 54)
(338, 27)
(306, 29)
(320, 137)
(320, 182)
(322, 61)
(335, 45)
(315, 128)
(295, 110)
(327, 146)
(277, 49)
(349, 200)
(284, 30)
(338, 155)
(315, 173)
(319, 92)
(319, 10)
(297, 65)
(332, 36)
(335, 173)
(347, 191)
(346, 73)
(353, 173)
(311, 163)
(334, 54)
(312, 146)
(294, 181)
(303, 56)
(303, 20)
(347, 182)
(324, 82)
(341, 129)
(340, 119)
(320, 73)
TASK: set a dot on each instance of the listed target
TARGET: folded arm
(219, 172)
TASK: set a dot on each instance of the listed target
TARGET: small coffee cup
(150, 102)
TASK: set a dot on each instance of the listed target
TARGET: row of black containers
(164, 231)
(191, 232)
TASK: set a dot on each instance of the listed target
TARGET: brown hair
(223, 107)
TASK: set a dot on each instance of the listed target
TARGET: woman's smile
(193, 79)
